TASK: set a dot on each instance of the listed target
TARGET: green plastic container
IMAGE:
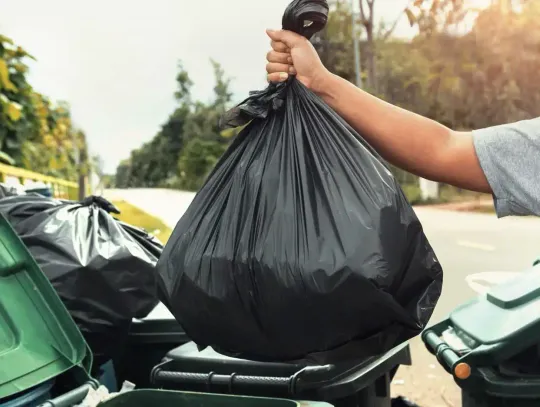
(491, 345)
(38, 338)
(163, 398)
(39, 341)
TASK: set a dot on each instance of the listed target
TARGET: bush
(198, 158)
(413, 193)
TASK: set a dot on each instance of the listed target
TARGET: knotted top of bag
(304, 17)
(101, 203)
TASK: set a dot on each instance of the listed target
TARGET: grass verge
(137, 217)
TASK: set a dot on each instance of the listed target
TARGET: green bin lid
(507, 311)
(38, 338)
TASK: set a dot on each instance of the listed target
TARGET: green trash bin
(40, 345)
(163, 398)
(491, 345)
(38, 339)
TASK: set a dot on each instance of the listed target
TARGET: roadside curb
(484, 206)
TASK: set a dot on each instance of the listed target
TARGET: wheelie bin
(44, 360)
(40, 190)
(39, 342)
(150, 339)
(491, 345)
(354, 384)
(162, 398)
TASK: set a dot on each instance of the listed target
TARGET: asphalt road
(466, 244)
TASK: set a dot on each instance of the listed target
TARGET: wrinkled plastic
(7, 190)
(102, 269)
(18, 208)
(301, 244)
(306, 17)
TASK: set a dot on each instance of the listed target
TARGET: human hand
(293, 54)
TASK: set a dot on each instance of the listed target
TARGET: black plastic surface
(206, 370)
(148, 343)
(149, 332)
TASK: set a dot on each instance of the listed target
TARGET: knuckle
(277, 46)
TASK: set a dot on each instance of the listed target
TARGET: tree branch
(392, 28)
(371, 12)
(362, 13)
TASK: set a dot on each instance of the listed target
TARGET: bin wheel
(473, 400)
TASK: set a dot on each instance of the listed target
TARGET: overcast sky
(115, 61)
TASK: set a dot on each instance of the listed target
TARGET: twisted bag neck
(304, 17)
(101, 203)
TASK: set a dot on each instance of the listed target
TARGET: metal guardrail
(60, 188)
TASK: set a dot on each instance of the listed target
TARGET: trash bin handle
(74, 397)
(288, 383)
(212, 378)
(442, 351)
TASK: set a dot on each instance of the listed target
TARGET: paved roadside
(167, 204)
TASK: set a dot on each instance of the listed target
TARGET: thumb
(289, 38)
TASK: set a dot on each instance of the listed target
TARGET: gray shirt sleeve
(510, 157)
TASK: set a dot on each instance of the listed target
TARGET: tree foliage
(35, 133)
(466, 68)
(189, 143)
(461, 75)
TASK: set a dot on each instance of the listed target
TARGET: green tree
(335, 43)
(17, 119)
(123, 174)
(193, 128)
(35, 133)
(197, 160)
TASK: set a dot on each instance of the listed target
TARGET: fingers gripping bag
(301, 244)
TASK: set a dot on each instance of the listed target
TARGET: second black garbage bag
(301, 244)
(102, 269)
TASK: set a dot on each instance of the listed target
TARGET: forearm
(407, 140)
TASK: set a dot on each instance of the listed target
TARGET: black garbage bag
(18, 208)
(301, 243)
(102, 269)
(7, 190)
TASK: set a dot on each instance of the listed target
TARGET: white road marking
(474, 245)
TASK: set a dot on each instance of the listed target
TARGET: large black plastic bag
(301, 244)
(102, 269)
